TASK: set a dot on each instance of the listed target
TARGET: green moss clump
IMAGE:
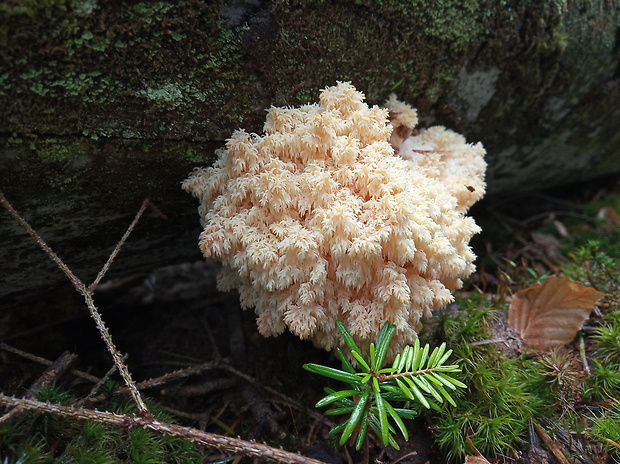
(597, 264)
(606, 428)
(502, 392)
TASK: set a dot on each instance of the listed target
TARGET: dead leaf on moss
(476, 460)
(550, 314)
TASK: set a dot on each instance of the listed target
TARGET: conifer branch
(417, 376)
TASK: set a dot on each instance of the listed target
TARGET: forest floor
(215, 373)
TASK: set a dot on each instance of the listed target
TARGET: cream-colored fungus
(318, 219)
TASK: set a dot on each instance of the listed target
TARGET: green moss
(603, 381)
(48, 438)
(596, 263)
(125, 169)
(502, 393)
(606, 428)
(204, 81)
(407, 47)
(153, 12)
(95, 76)
(199, 88)
(33, 8)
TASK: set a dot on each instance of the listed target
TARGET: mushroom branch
(341, 211)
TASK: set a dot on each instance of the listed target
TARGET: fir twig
(86, 293)
(417, 375)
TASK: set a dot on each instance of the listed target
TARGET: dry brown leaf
(550, 314)
(476, 460)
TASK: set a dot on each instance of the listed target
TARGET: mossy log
(105, 103)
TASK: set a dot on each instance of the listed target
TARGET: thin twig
(211, 440)
(116, 355)
(39, 241)
(175, 375)
(53, 372)
(145, 419)
(488, 342)
(202, 388)
(147, 202)
(405, 456)
(550, 443)
(88, 298)
(45, 362)
(99, 384)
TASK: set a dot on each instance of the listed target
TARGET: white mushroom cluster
(318, 219)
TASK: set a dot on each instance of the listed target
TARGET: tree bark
(106, 103)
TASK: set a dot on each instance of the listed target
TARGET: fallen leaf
(550, 314)
(476, 460)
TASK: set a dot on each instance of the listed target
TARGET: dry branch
(211, 440)
(144, 419)
(53, 372)
(146, 203)
(86, 293)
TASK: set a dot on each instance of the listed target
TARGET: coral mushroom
(318, 219)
